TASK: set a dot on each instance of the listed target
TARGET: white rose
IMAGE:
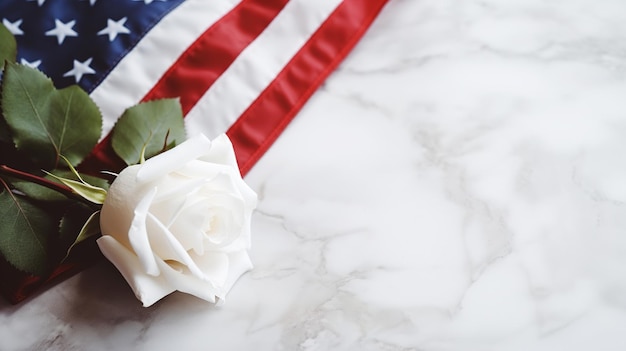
(180, 221)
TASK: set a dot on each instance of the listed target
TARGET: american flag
(242, 67)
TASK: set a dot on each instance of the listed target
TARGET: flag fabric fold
(244, 67)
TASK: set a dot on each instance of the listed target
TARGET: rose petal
(243, 242)
(138, 235)
(173, 190)
(147, 288)
(190, 284)
(189, 223)
(238, 264)
(215, 265)
(164, 163)
(122, 198)
(222, 152)
(174, 246)
(248, 195)
(227, 217)
(159, 243)
(204, 170)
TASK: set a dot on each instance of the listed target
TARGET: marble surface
(459, 183)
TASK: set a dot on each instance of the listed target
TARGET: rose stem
(61, 188)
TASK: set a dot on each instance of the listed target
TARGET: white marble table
(458, 184)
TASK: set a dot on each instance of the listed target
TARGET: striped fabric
(244, 67)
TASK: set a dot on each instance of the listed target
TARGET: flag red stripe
(198, 67)
(261, 123)
(259, 126)
(214, 51)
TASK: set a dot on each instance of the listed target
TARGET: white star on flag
(33, 64)
(148, 1)
(114, 28)
(91, 2)
(13, 27)
(62, 30)
(80, 69)
(39, 2)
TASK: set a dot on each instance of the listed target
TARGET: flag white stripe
(257, 65)
(141, 69)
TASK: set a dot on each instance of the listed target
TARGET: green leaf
(8, 46)
(8, 52)
(70, 227)
(8, 153)
(46, 122)
(5, 135)
(38, 192)
(151, 126)
(71, 221)
(26, 231)
(92, 193)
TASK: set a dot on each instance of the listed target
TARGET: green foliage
(5, 136)
(153, 127)
(26, 233)
(38, 192)
(39, 125)
(8, 52)
(46, 123)
(70, 225)
(8, 46)
(44, 133)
